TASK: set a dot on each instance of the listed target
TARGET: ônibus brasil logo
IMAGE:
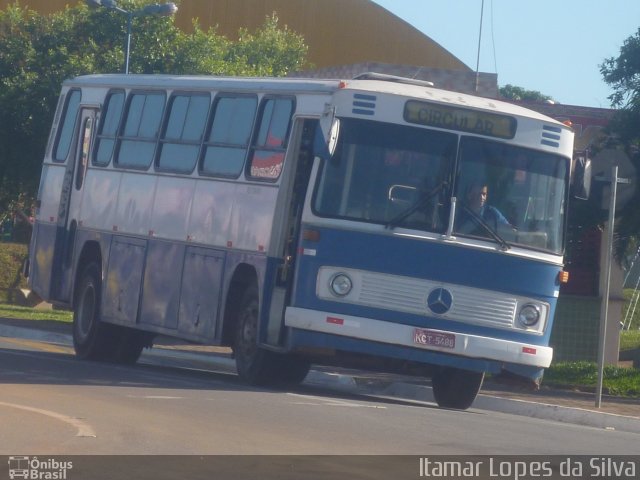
(33, 468)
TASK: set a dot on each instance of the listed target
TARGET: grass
(629, 340)
(617, 381)
(26, 313)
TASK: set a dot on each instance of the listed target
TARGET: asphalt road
(51, 403)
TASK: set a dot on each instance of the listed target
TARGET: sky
(553, 46)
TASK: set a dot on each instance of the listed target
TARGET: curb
(349, 384)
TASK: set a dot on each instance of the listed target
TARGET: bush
(12, 256)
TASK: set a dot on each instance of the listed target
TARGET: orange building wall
(338, 32)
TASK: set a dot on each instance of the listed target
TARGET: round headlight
(529, 315)
(340, 284)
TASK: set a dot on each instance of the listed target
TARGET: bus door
(281, 293)
(70, 201)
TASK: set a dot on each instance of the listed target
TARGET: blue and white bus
(306, 221)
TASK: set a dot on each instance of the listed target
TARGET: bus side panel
(41, 257)
(123, 280)
(45, 230)
(161, 284)
(200, 293)
(99, 200)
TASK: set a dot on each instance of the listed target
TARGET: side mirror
(581, 184)
(326, 137)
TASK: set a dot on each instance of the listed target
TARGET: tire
(130, 344)
(456, 388)
(92, 339)
(255, 365)
(292, 370)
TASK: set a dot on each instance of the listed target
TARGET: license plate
(434, 339)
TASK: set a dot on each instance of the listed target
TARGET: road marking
(330, 402)
(84, 429)
(155, 397)
(41, 346)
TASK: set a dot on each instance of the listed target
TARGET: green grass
(584, 375)
(629, 340)
(26, 313)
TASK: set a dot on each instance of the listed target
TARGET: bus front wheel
(255, 365)
(456, 388)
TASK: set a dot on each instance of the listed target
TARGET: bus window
(106, 138)
(180, 143)
(525, 193)
(142, 123)
(380, 171)
(229, 133)
(68, 126)
(270, 142)
(85, 146)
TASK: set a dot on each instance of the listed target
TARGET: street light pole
(160, 10)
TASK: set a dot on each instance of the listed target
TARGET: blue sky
(553, 46)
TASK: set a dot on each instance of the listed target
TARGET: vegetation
(38, 52)
(11, 279)
(629, 340)
(511, 92)
(631, 301)
(26, 313)
(622, 74)
(616, 381)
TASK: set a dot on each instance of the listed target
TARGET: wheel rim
(86, 312)
(248, 335)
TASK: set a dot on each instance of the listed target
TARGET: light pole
(160, 10)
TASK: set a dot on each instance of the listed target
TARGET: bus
(306, 221)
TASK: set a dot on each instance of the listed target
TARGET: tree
(622, 73)
(38, 52)
(511, 92)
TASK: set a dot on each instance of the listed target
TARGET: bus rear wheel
(130, 345)
(255, 365)
(92, 338)
(456, 388)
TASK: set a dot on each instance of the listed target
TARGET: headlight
(529, 315)
(340, 284)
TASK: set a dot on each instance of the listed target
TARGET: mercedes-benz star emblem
(439, 300)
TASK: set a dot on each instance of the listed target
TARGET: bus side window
(106, 138)
(182, 134)
(228, 136)
(142, 124)
(270, 141)
(67, 126)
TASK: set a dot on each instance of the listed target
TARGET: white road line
(331, 402)
(84, 429)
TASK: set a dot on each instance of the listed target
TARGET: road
(51, 403)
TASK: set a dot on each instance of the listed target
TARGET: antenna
(479, 41)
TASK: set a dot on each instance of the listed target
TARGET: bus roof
(303, 85)
(206, 82)
(450, 97)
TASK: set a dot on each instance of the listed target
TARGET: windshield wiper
(422, 202)
(483, 223)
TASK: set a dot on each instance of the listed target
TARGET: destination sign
(460, 119)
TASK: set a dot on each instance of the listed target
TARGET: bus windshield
(517, 193)
(381, 171)
(401, 176)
